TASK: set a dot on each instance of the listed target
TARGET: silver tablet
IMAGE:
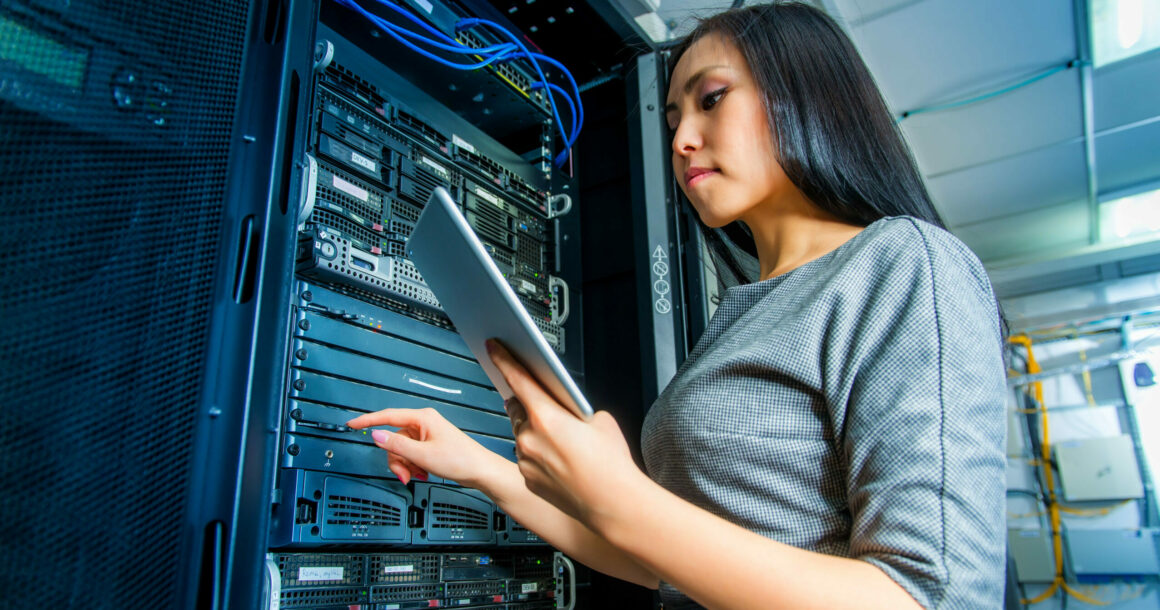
(480, 303)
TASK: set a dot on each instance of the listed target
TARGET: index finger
(388, 417)
(523, 384)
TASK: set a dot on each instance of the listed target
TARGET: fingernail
(380, 436)
(422, 476)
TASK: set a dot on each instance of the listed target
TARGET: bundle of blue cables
(502, 52)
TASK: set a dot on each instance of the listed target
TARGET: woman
(836, 437)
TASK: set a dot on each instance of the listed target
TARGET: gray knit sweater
(853, 406)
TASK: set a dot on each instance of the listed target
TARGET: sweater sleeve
(924, 434)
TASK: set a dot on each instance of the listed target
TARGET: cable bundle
(507, 51)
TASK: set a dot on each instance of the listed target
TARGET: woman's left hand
(582, 467)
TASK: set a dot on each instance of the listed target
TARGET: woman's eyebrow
(692, 83)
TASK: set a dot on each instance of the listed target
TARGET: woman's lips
(696, 174)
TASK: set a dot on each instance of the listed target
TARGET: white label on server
(363, 161)
(426, 5)
(350, 189)
(315, 574)
(398, 569)
(439, 168)
(461, 143)
(488, 197)
(529, 587)
(526, 286)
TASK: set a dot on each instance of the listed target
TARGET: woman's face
(723, 152)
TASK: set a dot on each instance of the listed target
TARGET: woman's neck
(793, 233)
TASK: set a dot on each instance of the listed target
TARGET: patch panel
(515, 76)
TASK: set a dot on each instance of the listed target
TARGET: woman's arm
(586, 470)
(722, 565)
(507, 489)
(426, 442)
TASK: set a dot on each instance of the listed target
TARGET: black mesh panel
(107, 252)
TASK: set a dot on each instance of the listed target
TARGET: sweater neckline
(766, 285)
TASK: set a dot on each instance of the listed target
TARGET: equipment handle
(562, 563)
(554, 283)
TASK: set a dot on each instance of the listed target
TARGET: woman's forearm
(722, 565)
(505, 486)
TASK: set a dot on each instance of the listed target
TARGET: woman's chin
(712, 221)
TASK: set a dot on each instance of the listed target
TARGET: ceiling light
(1129, 22)
(1123, 28)
(1131, 216)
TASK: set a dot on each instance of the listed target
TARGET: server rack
(383, 128)
(302, 310)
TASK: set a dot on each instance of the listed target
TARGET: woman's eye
(712, 98)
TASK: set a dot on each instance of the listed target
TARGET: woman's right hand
(426, 443)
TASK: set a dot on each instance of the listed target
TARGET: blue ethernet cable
(472, 22)
(494, 53)
(571, 108)
(488, 55)
(571, 81)
(411, 17)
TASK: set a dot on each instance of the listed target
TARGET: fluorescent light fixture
(1129, 217)
(1123, 28)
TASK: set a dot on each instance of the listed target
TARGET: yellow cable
(1052, 506)
(1082, 597)
(1087, 374)
(1093, 512)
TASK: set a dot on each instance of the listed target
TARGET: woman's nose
(686, 138)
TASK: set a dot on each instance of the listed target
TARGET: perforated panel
(112, 222)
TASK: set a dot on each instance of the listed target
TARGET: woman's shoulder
(904, 244)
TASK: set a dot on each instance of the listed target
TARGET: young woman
(836, 437)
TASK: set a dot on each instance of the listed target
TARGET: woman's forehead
(710, 50)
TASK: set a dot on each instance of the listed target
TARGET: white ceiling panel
(1128, 158)
(1018, 184)
(683, 15)
(1046, 112)
(1127, 91)
(1057, 228)
(860, 11)
(938, 50)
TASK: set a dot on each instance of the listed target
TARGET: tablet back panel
(474, 294)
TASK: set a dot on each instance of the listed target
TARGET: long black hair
(833, 135)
